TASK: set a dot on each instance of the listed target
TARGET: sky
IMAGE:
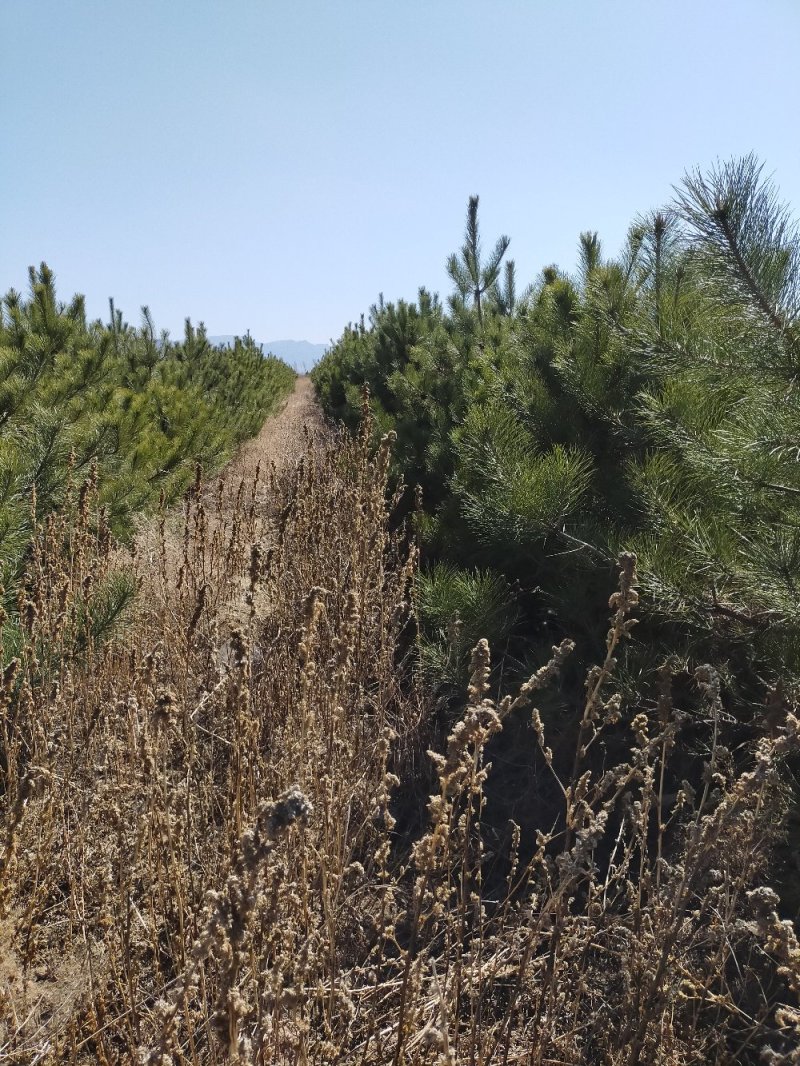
(274, 166)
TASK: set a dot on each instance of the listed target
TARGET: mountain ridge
(301, 355)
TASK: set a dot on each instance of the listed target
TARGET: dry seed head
(480, 669)
(166, 708)
(254, 572)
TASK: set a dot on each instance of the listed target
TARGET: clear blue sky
(274, 165)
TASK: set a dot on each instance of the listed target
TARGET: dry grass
(200, 863)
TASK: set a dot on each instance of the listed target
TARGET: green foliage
(143, 410)
(511, 494)
(474, 278)
(649, 403)
(456, 609)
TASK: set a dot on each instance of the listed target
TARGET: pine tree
(472, 277)
(646, 404)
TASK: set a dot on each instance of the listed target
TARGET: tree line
(647, 402)
(135, 409)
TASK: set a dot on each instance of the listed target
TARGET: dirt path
(281, 441)
(248, 476)
(282, 437)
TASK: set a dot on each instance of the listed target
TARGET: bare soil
(282, 437)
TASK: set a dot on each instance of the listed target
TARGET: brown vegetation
(200, 860)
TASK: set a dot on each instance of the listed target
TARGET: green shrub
(139, 411)
(647, 404)
(456, 609)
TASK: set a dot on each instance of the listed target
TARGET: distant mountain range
(301, 355)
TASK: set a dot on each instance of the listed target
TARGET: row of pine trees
(132, 408)
(647, 402)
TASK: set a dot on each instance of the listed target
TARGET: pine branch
(722, 215)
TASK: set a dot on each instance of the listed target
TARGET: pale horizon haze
(273, 167)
